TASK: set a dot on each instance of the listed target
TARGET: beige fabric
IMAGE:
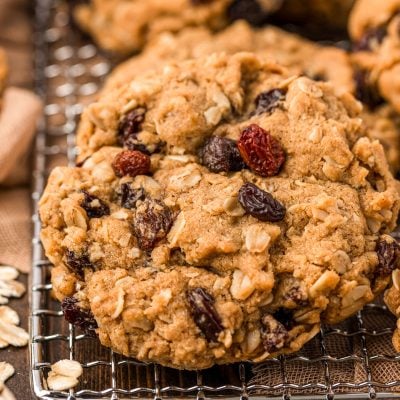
(18, 117)
(19, 114)
(15, 232)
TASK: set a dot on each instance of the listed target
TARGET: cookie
(298, 54)
(125, 26)
(383, 124)
(3, 71)
(189, 268)
(174, 111)
(231, 168)
(390, 252)
(374, 30)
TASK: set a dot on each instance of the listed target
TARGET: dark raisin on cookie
(130, 126)
(371, 39)
(260, 151)
(268, 101)
(261, 204)
(129, 129)
(273, 334)
(151, 223)
(129, 196)
(78, 262)
(249, 10)
(365, 91)
(94, 207)
(221, 154)
(297, 296)
(201, 305)
(79, 317)
(388, 257)
(285, 317)
(131, 163)
(319, 77)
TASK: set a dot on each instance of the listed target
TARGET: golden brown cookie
(175, 110)
(383, 124)
(245, 207)
(191, 268)
(374, 29)
(389, 255)
(299, 55)
(126, 26)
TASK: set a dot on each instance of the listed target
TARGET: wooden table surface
(16, 18)
(19, 358)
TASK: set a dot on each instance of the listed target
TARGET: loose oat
(6, 371)
(11, 334)
(64, 375)
(9, 287)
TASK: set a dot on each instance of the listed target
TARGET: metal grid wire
(68, 71)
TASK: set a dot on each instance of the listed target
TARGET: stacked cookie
(232, 194)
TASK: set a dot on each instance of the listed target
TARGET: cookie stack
(232, 193)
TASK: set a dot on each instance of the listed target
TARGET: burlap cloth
(20, 110)
(340, 346)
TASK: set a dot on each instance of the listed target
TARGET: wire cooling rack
(352, 361)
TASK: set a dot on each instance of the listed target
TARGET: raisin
(371, 38)
(296, 295)
(129, 128)
(79, 317)
(94, 207)
(204, 313)
(273, 334)
(129, 196)
(260, 204)
(365, 92)
(151, 223)
(285, 317)
(319, 77)
(132, 163)
(249, 10)
(77, 263)
(221, 155)
(268, 101)
(260, 151)
(388, 257)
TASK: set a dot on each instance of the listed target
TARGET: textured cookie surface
(374, 29)
(125, 26)
(176, 110)
(391, 253)
(230, 169)
(383, 124)
(300, 56)
(177, 268)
